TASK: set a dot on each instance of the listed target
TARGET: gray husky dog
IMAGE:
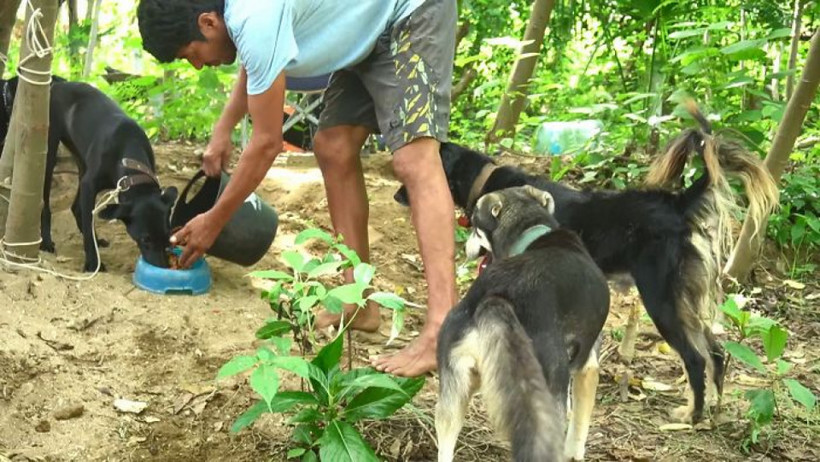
(529, 323)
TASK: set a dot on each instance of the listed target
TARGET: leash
(39, 49)
(34, 263)
(527, 238)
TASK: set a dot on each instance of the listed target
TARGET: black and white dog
(671, 243)
(530, 322)
(111, 151)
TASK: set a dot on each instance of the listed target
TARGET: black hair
(166, 26)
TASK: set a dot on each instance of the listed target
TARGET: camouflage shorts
(402, 89)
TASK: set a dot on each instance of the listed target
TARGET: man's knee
(416, 160)
(339, 144)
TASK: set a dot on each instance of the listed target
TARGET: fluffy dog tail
(512, 384)
(720, 157)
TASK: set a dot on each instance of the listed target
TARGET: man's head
(186, 29)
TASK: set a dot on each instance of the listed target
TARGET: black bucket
(247, 236)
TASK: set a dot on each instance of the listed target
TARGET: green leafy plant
(330, 401)
(295, 294)
(322, 417)
(776, 372)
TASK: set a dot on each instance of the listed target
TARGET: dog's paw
(102, 243)
(685, 414)
(48, 246)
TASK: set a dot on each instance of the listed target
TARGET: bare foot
(417, 358)
(366, 320)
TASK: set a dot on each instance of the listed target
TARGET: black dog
(112, 152)
(530, 321)
(670, 243)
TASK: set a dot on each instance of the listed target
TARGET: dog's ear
(116, 212)
(169, 195)
(543, 197)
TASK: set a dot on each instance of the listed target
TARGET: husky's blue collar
(528, 237)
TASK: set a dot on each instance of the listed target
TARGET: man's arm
(199, 234)
(237, 105)
(265, 144)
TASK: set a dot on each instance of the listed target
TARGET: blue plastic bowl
(195, 280)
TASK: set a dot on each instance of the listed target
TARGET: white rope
(33, 264)
(39, 49)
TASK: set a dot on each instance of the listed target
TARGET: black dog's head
(147, 219)
(461, 167)
(501, 218)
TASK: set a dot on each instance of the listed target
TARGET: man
(392, 63)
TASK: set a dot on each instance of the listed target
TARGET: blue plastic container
(195, 280)
(558, 138)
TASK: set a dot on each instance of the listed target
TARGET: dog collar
(140, 167)
(480, 181)
(528, 237)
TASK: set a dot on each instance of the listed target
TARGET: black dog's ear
(401, 197)
(169, 195)
(115, 212)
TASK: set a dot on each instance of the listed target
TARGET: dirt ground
(74, 347)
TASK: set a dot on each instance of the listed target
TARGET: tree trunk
(74, 41)
(747, 247)
(512, 102)
(8, 14)
(22, 231)
(795, 46)
(92, 39)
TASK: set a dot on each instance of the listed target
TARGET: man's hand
(217, 155)
(196, 237)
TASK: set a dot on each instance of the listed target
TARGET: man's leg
(418, 166)
(338, 154)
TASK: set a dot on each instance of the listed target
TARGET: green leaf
(762, 405)
(780, 33)
(687, 33)
(745, 355)
(376, 380)
(313, 233)
(296, 364)
(305, 434)
(329, 355)
(310, 265)
(783, 367)
(343, 443)
(286, 400)
(333, 304)
(387, 300)
(248, 417)
(396, 326)
(760, 325)
(325, 269)
(774, 342)
(236, 365)
(273, 329)
(282, 344)
(734, 313)
(264, 354)
(272, 274)
(265, 381)
(294, 259)
(310, 456)
(380, 403)
(348, 293)
(348, 253)
(363, 273)
(801, 394)
(308, 415)
(306, 303)
(295, 452)
(743, 45)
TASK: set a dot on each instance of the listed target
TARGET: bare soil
(69, 349)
